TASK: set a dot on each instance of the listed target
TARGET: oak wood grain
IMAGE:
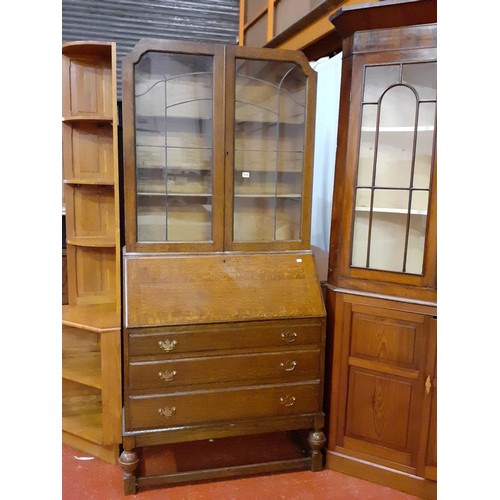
(181, 289)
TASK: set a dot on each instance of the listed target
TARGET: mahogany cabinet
(224, 320)
(382, 287)
(91, 337)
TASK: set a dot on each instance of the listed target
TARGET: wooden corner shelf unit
(91, 321)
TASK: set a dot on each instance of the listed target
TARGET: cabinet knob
(167, 345)
(287, 400)
(428, 384)
(167, 376)
(288, 337)
(288, 366)
(166, 412)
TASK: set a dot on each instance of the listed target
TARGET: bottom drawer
(221, 405)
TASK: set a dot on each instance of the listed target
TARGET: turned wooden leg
(129, 460)
(316, 440)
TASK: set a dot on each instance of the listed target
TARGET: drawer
(191, 339)
(198, 407)
(281, 366)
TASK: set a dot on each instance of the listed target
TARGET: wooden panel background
(88, 152)
(95, 274)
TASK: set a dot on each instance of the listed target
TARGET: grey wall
(126, 22)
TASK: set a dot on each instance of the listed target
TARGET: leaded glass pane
(395, 156)
(173, 109)
(270, 106)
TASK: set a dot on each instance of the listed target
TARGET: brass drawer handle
(288, 337)
(166, 412)
(287, 400)
(167, 376)
(167, 345)
(289, 366)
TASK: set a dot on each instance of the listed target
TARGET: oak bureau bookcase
(224, 321)
(382, 290)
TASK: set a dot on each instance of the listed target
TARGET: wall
(325, 148)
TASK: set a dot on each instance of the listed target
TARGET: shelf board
(87, 48)
(94, 242)
(87, 118)
(242, 116)
(89, 182)
(98, 318)
(191, 168)
(202, 195)
(388, 210)
(271, 195)
(84, 369)
(87, 426)
(263, 150)
(422, 128)
(237, 195)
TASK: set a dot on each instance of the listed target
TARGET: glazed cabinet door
(270, 113)
(381, 383)
(218, 147)
(388, 211)
(173, 156)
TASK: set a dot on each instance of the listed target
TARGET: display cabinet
(91, 344)
(224, 321)
(218, 106)
(382, 290)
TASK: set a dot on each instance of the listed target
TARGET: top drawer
(189, 339)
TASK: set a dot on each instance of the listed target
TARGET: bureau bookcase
(382, 291)
(224, 321)
(91, 319)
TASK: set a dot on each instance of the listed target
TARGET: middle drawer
(280, 366)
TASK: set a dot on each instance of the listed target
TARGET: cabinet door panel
(386, 339)
(173, 155)
(269, 114)
(395, 162)
(384, 220)
(89, 87)
(379, 414)
(382, 353)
